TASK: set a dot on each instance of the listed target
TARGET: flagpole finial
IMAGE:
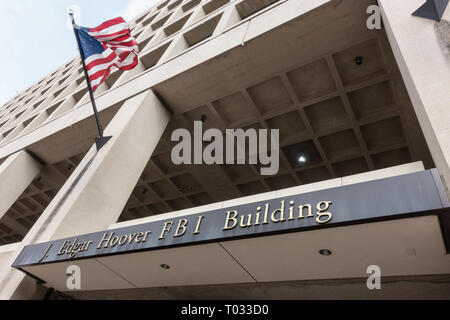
(71, 13)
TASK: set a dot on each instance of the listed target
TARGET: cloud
(136, 7)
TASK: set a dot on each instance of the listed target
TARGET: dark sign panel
(392, 198)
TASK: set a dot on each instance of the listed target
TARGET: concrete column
(423, 56)
(5, 256)
(96, 193)
(16, 174)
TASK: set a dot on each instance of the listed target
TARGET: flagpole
(101, 140)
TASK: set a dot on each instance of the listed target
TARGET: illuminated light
(302, 159)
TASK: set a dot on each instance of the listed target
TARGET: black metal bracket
(432, 9)
(101, 141)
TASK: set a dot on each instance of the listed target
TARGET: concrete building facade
(367, 110)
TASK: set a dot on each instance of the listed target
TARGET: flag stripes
(106, 46)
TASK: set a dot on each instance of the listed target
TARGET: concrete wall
(421, 50)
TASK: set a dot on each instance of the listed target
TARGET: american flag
(106, 46)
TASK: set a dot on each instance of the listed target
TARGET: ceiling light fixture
(165, 266)
(325, 252)
(302, 159)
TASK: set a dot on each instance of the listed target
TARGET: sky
(36, 38)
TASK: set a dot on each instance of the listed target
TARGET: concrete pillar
(96, 193)
(6, 252)
(423, 56)
(16, 174)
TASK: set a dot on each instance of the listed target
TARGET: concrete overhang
(403, 236)
(400, 247)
